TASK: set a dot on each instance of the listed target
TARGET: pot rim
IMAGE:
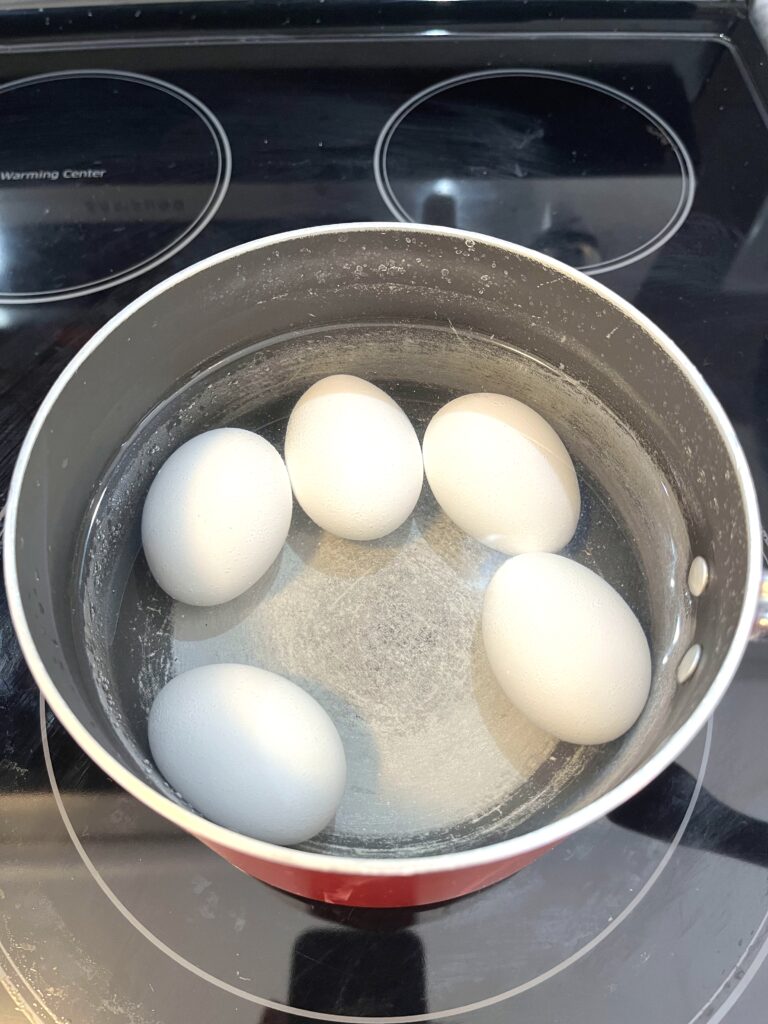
(380, 866)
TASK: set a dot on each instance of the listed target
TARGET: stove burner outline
(403, 1019)
(687, 174)
(218, 189)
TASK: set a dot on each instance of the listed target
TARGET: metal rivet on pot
(689, 663)
(698, 576)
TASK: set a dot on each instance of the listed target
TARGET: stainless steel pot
(450, 789)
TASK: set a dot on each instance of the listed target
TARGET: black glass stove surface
(103, 175)
(658, 913)
(564, 164)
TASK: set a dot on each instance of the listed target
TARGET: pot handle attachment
(760, 631)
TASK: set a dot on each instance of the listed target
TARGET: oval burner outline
(218, 188)
(687, 174)
(427, 1017)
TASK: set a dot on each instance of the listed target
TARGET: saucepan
(449, 787)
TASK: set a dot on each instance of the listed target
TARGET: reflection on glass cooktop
(560, 163)
(642, 158)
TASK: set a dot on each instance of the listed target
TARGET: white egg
(353, 457)
(249, 750)
(216, 516)
(501, 473)
(566, 648)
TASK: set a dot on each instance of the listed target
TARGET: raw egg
(216, 516)
(501, 473)
(566, 648)
(353, 457)
(249, 750)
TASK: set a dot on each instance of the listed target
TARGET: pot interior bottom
(384, 634)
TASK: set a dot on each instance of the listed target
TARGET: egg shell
(249, 750)
(353, 457)
(216, 516)
(566, 648)
(501, 473)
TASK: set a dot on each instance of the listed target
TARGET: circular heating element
(559, 163)
(207, 935)
(103, 175)
(561, 927)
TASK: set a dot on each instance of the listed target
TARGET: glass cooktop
(636, 150)
(103, 175)
(564, 164)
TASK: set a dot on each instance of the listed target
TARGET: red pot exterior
(378, 890)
